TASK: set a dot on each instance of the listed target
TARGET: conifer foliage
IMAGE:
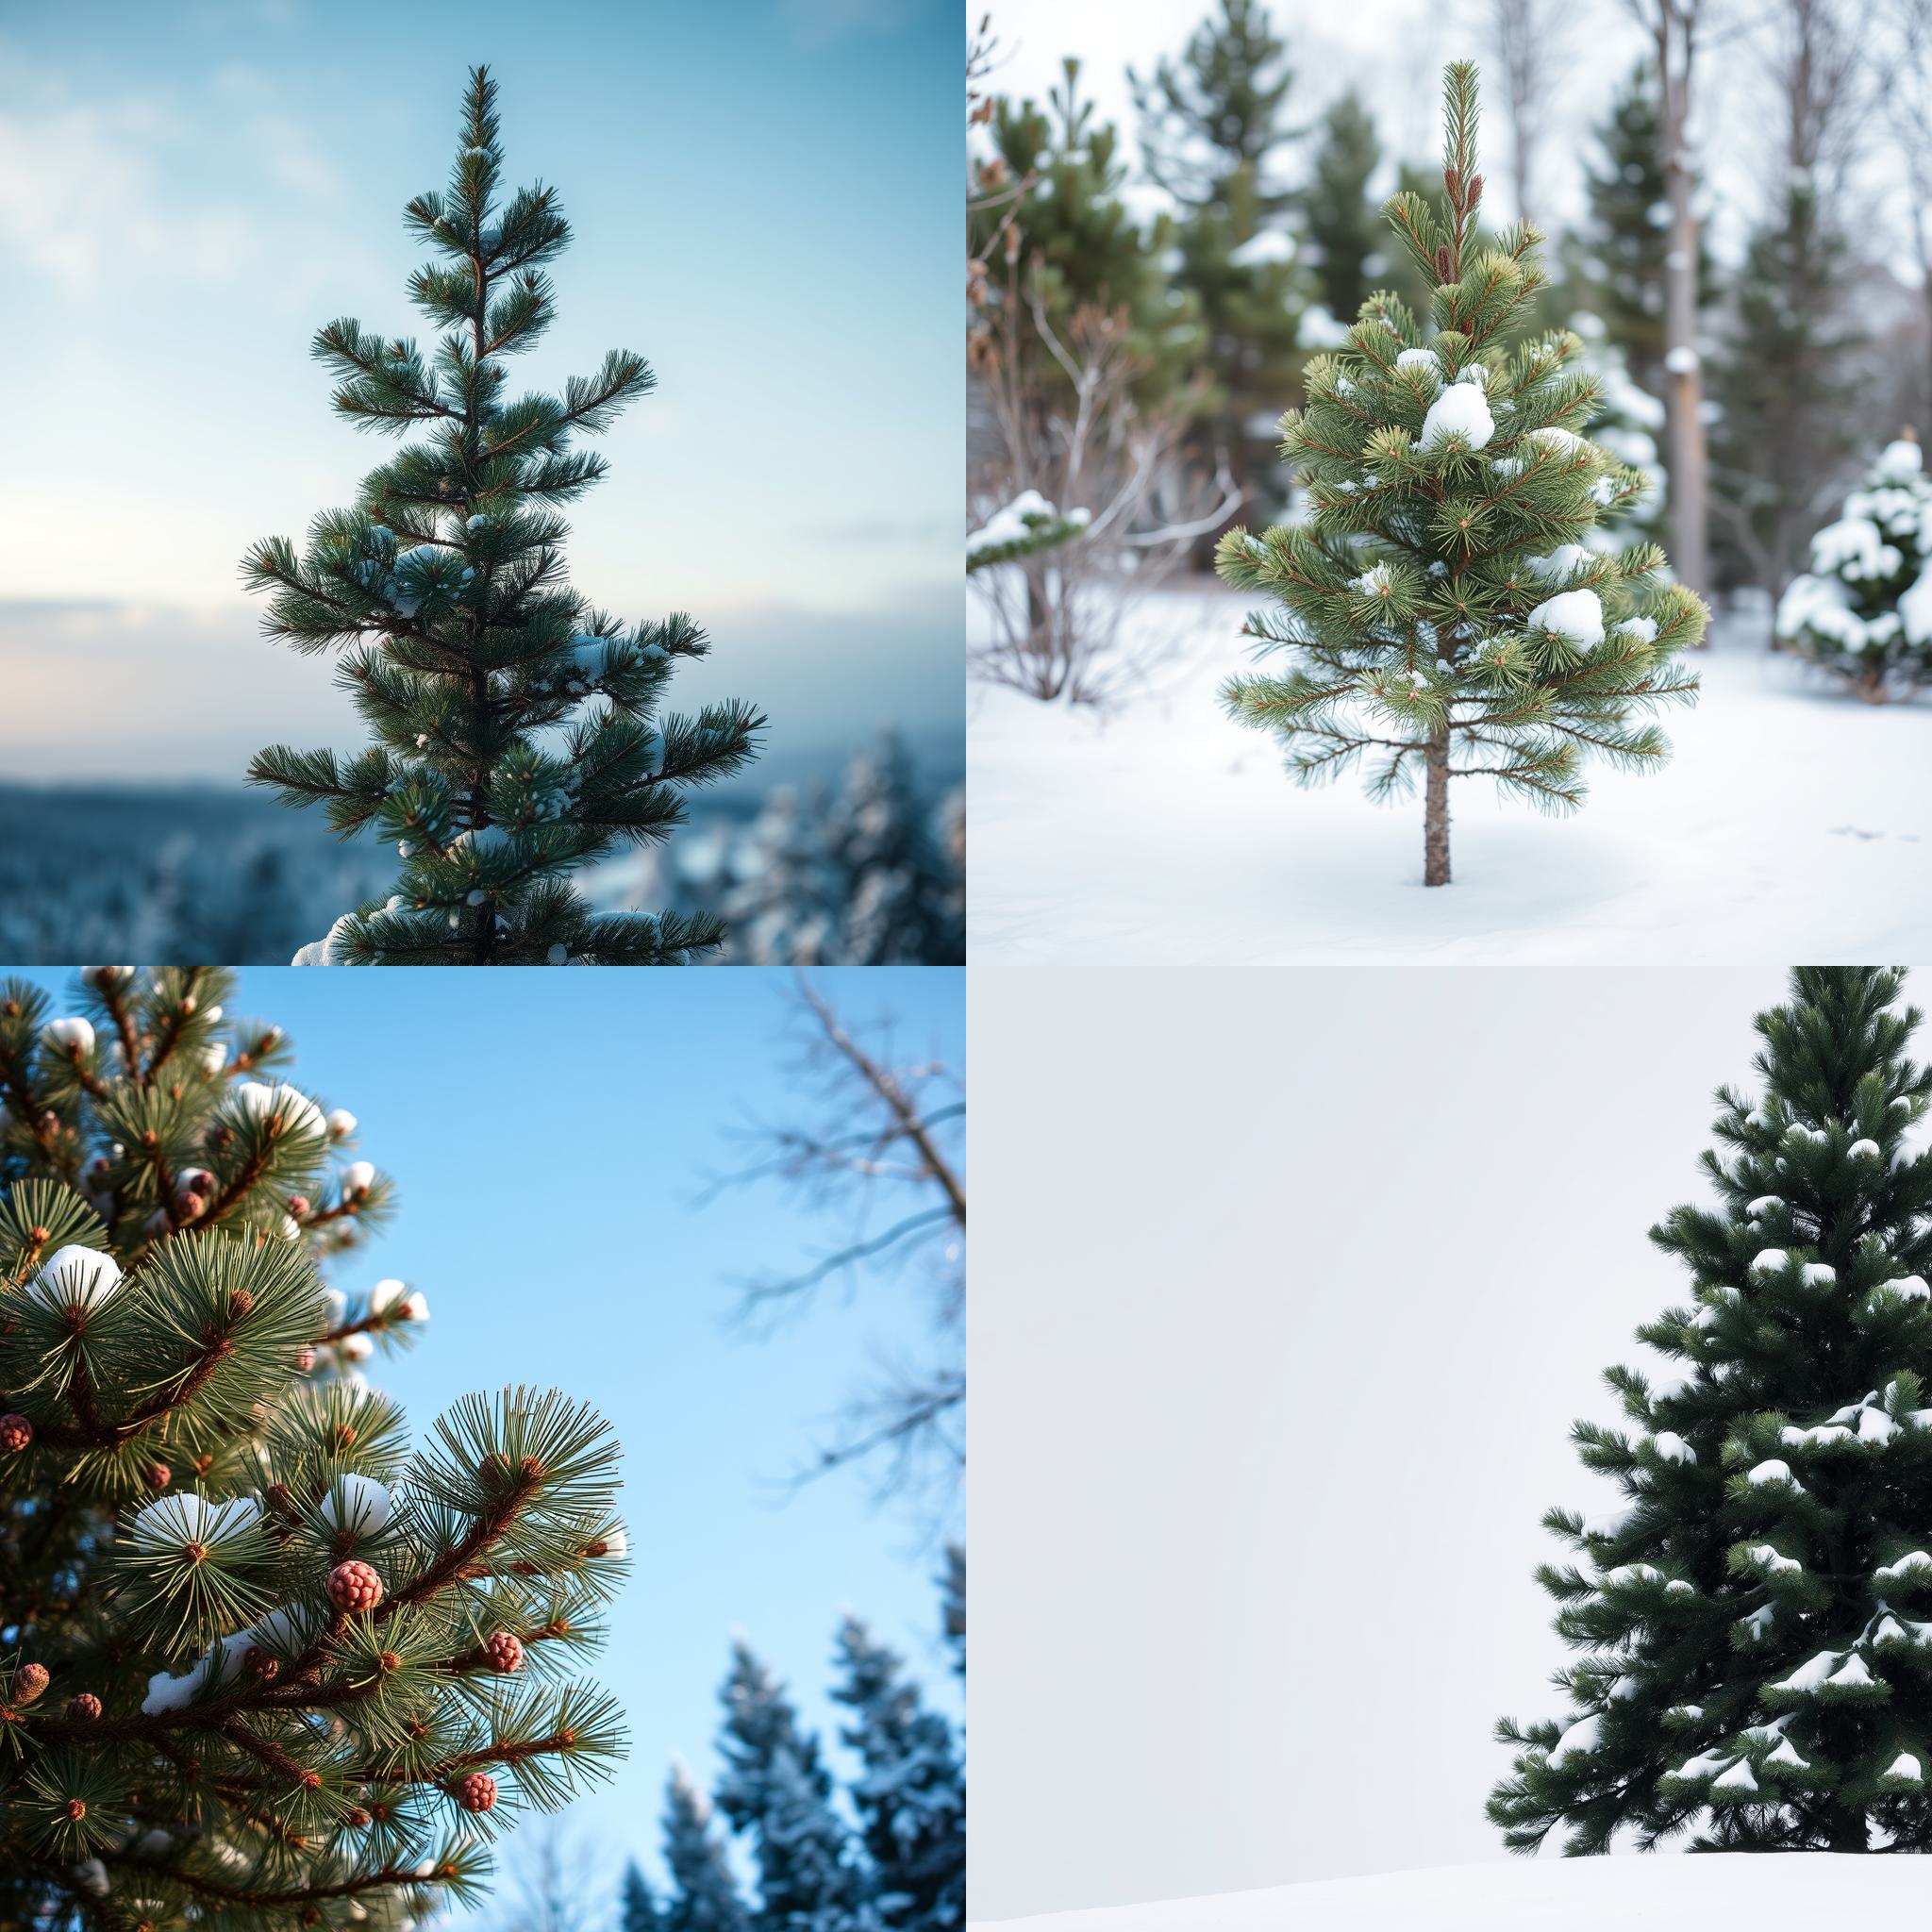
(262, 1664)
(520, 734)
(1755, 1623)
(1864, 609)
(1440, 601)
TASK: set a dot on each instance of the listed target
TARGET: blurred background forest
(1161, 230)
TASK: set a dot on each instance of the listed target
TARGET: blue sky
(547, 1153)
(763, 194)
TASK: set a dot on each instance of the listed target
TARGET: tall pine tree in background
(1754, 1622)
(911, 1792)
(1211, 129)
(703, 1897)
(1441, 599)
(1347, 234)
(1068, 242)
(1786, 392)
(520, 733)
(777, 1792)
(637, 1910)
(1616, 259)
(260, 1663)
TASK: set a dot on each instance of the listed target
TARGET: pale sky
(189, 191)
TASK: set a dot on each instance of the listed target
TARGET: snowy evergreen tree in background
(899, 897)
(1347, 237)
(1754, 1622)
(1442, 597)
(1626, 422)
(260, 1664)
(637, 1910)
(703, 1897)
(520, 733)
(777, 1792)
(1211, 129)
(911, 1792)
(783, 892)
(1786, 390)
(1616, 257)
(1864, 609)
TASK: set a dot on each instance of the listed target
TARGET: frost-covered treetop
(520, 733)
(1754, 1622)
(1864, 609)
(1447, 455)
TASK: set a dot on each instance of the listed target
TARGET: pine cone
(31, 1682)
(157, 1475)
(85, 1707)
(504, 1651)
(476, 1792)
(354, 1587)
(16, 1432)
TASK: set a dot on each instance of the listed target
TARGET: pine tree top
(1753, 1622)
(520, 732)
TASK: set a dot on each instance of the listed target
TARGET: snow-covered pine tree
(899, 894)
(1441, 597)
(1627, 422)
(520, 733)
(1756, 1654)
(1864, 609)
(260, 1664)
(703, 1895)
(910, 1794)
(777, 1792)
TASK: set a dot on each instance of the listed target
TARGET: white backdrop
(1285, 1289)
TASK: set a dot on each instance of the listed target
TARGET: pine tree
(1626, 422)
(638, 1910)
(1618, 253)
(1343, 224)
(786, 895)
(899, 886)
(1211, 130)
(777, 1790)
(953, 1605)
(520, 734)
(1065, 239)
(1750, 1667)
(703, 1895)
(1864, 609)
(260, 1664)
(911, 1793)
(1786, 390)
(1441, 597)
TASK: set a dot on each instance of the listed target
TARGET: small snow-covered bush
(1864, 609)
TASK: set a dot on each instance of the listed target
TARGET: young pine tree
(777, 1792)
(520, 733)
(1864, 609)
(703, 1897)
(1754, 1624)
(260, 1664)
(1440, 600)
(910, 1794)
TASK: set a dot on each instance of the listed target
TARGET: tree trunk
(1436, 810)
(1684, 384)
(1848, 1831)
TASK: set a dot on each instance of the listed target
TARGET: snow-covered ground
(1796, 1892)
(1792, 823)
